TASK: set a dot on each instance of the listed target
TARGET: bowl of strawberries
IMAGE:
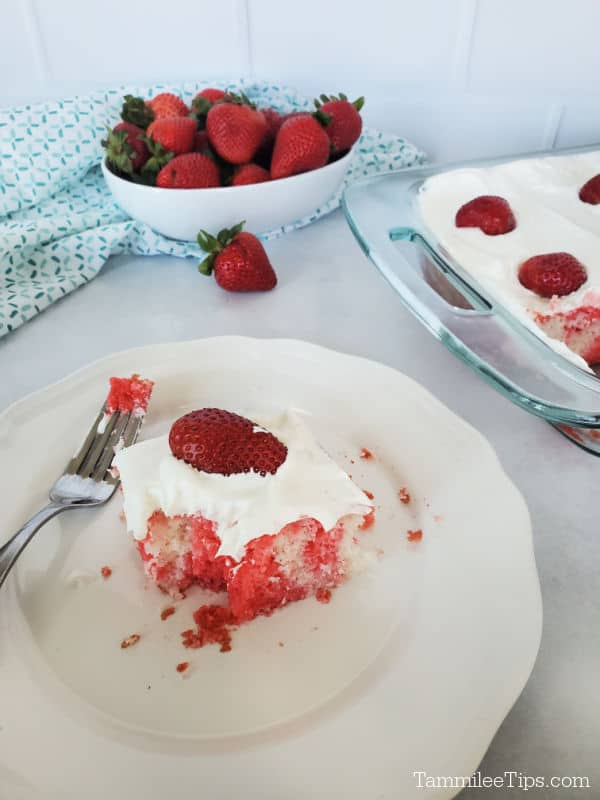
(179, 168)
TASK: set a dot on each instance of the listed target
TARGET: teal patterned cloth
(58, 222)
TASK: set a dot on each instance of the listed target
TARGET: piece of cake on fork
(261, 512)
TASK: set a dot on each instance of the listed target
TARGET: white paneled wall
(460, 78)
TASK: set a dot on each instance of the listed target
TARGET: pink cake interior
(302, 559)
(579, 329)
(129, 395)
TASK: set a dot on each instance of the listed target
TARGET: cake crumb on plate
(129, 641)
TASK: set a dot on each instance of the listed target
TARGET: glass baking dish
(384, 217)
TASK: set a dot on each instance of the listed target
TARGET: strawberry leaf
(159, 157)
(136, 111)
(237, 228)
(206, 266)
(201, 106)
(223, 237)
(203, 241)
(240, 99)
(119, 153)
(322, 117)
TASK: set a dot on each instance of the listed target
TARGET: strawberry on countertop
(551, 274)
(490, 213)
(590, 191)
(218, 441)
(345, 123)
(235, 129)
(301, 145)
(189, 171)
(239, 260)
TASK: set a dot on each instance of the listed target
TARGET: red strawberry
(345, 123)
(214, 440)
(265, 151)
(490, 213)
(189, 171)
(212, 95)
(552, 274)
(201, 142)
(301, 145)
(274, 122)
(168, 105)
(239, 261)
(235, 130)
(590, 191)
(249, 173)
(125, 150)
(203, 101)
(292, 114)
(175, 134)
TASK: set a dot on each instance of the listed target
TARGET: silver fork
(86, 482)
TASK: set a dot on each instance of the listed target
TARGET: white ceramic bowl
(181, 213)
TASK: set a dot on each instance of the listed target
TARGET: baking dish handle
(517, 363)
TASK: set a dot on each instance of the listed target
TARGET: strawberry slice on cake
(259, 511)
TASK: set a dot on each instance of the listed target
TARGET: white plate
(411, 667)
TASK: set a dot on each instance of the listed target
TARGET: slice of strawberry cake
(529, 231)
(259, 512)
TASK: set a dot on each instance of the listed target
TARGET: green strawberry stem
(240, 99)
(213, 245)
(136, 111)
(322, 117)
(358, 103)
(159, 157)
(120, 155)
(201, 106)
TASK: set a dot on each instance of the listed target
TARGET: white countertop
(329, 293)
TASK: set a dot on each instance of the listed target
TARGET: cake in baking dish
(259, 511)
(529, 232)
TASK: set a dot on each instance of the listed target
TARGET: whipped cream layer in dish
(544, 196)
(246, 505)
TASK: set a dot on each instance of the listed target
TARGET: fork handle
(15, 546)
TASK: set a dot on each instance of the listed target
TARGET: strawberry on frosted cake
(259, 511)
(529, 231)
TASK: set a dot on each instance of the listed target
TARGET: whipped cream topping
(543, 194)
(246, 505)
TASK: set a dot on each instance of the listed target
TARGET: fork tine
(100, 442)
(79, 456)
(131, 432)
(105, 458)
